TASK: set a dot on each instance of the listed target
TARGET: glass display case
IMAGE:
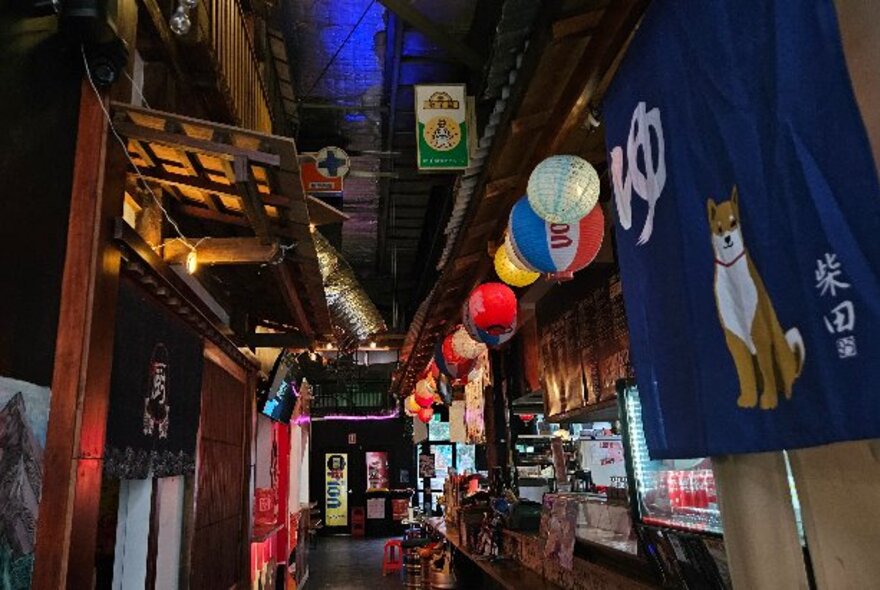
(670, 493)
(602, 521)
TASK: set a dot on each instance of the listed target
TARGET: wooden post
(67, 523)
(151, 221)
(73, 460)
(759, 522)
(838, 484)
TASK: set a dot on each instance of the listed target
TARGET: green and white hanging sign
(442, 121)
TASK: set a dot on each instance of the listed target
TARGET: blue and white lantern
(563, 189)
(553, 247)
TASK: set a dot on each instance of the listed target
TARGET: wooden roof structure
(566, 69)
(238, 198)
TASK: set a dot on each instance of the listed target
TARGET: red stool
(358, 522)
(392, 560)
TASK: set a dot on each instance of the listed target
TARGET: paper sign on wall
(336, 489)
(442, 127)
(375, 508)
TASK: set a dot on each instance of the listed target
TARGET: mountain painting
(24, 415)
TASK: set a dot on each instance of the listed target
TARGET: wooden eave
(566, 69)
(232, 181)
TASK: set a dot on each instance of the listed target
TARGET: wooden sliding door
(221, 532)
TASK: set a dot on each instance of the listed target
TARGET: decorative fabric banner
(748, 216)
(155, 391)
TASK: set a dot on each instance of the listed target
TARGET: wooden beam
(320, 213)
(616, 26)
(169, 44)
(151, 220)
(221, 251)
(290, 294)
(501, 185)
(179, 141)
(579, 25)
(437, 34)
(529, 123)
(250, 199)
(284, 340)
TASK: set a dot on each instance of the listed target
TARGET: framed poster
(377, 470)
(336, 489)
(426, 465)
(442, 127)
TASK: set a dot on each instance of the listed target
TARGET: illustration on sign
(442, 127)
(751, 329)
(336, 490)
(323, 171)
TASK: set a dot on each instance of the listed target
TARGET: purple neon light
(367, 418)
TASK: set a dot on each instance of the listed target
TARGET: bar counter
(525, 567)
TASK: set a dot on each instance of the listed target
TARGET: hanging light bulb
(180, 22)
(192, 262)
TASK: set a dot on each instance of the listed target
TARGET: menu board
(584, 342)
(563, 378)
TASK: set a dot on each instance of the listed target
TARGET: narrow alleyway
(344, 563)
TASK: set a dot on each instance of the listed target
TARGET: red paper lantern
(492, 308)
(425, 414)
(449, 363)
(424, 395)
(449, 354)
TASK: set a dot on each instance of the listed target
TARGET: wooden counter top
(507, 572)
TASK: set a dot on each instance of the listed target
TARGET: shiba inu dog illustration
(768, 360)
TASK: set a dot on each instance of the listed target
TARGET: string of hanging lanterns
(555, 229)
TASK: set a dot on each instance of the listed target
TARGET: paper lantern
(411, 405)
(511, 274)
(424, 394)
(426, 386)
(563, 189)
(489, 340)
(492, 308)
(457, 370)
(554, 247)
(464, 345)
(449, 354)
(425, 401)
(425, 414)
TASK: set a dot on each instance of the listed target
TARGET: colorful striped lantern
(425, 414)
(464, 345)
(563, 189)
(510, 273)
(557, 248)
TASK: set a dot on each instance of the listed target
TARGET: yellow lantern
(411, 404)
(511, 274)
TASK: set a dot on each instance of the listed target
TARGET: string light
(192, 262)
